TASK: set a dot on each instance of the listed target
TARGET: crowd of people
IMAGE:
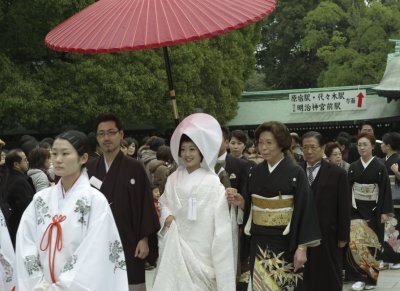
(209, 209)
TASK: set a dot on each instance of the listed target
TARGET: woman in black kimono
(371, 205)
(390, 147)
(280, 213)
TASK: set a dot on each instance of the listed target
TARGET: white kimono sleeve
(97, 263)
(7, 257)
(222, 244)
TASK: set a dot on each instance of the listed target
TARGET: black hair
(239, 135)
(13, 157)
(164, 154)
(185, 138)
(314, 134)
(104, 117)
(38, 157)
(225, 132)
(392, 139)
(29, 146)
(77, 139)
(366, 122)
(155, 142)
(279, 131)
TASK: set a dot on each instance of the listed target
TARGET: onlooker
(18, 188)
(39, 163)
(254, 155)
(124, 147)
(161, 169)
(296, 148)
(237, 143)
(334, 155)
(126, 186)
(133, 147)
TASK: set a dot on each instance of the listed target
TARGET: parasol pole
(171, 89)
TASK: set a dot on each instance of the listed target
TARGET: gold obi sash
(275, 211)
(366, 192)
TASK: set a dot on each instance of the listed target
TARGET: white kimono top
(196, 252)
(77, 231)
(7, 258)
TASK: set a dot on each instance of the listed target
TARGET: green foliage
(351, 38)
(49, 91)
(279, 55)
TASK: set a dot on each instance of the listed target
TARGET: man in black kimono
(329, 184)
(124, 182)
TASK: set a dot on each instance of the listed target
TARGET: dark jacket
(18, 193)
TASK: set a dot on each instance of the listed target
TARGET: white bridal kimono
(7, 258)
(84, 243)
(196, 251)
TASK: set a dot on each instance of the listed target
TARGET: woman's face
(65, 159)
(269, 148)
(190, 155)
(336, 156)
(236, 147)
(131, 149)
(364, 147)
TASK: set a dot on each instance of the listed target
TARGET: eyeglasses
(312, 147)
(109, 133)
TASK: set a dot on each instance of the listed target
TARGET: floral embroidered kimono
(280, 215)
(371, 198)
(69, 241)
(7, 258)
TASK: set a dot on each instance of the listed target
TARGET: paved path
(389, 280)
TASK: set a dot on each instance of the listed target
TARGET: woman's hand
(169, 220)
(234, 198)
(384, 218)
(300, 257)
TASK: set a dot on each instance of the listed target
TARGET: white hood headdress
(205, 131)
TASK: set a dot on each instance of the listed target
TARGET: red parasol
(123, 25)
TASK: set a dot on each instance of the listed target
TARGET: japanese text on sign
(328, 101)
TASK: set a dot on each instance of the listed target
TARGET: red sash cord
(57, 219)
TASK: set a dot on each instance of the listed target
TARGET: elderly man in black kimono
(124, 182)
(332, 198)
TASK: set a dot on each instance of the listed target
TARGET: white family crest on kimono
(7, 257)
(196, 251)
(69, 243)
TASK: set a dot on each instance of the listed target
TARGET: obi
(275, 211)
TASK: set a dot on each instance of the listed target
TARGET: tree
(69, 90)
(279, 54)
(351, 38)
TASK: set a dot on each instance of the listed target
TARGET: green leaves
(69, 90)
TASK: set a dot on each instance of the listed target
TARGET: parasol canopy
(124, 25)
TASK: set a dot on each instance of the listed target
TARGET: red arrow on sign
(360, 98)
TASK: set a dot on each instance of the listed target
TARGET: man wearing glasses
(124, 182)
(18, 189)
(329, 184)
